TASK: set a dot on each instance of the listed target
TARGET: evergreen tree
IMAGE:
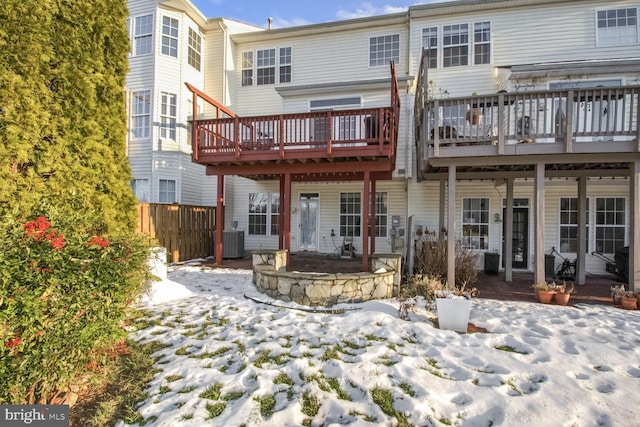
(63, 65)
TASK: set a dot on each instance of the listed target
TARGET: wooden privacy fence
(187, 232)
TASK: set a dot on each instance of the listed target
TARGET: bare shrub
(431, 261)
(422, 286)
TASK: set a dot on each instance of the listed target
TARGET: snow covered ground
(230, 361)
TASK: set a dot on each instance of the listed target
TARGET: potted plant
(563, 294)
(616, 293)
(544, 291)
(454, 307)
(628, 301)
(473, 115)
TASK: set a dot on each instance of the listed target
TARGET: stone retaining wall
(325, 289)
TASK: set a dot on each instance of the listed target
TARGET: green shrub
(64, 298)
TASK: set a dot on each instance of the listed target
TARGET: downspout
(224, 29)
(224, 61)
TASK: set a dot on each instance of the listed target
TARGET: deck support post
(372, 222)
(219, 219)
(507, 257)
(539, 275)
(443, 182)
(634, 229)
(286, 236)
(582, 231)
(282, 206)
(366, 204)
(451, 232)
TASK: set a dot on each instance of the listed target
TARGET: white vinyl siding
(516, 40)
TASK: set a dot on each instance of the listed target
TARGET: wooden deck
(595, 128)
(320, 143)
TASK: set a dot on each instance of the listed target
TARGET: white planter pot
(453, 313)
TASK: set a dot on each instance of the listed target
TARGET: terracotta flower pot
(561, 299)
(545, 297)
(629, 303)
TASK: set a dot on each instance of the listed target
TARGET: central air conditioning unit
(233, 244)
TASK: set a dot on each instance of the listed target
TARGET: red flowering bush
(64, 295)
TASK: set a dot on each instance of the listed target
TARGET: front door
(520, 255)
(309, 203)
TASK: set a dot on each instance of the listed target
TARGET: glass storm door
(520, 254)
(309, 222)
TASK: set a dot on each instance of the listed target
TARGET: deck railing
(365, 131)
(317, 130)
(565, 117)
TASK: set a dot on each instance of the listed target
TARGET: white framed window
(166, 191)
(475, 223)
(617, 27)
(285, 65)
(482, 43)
(169, 36)
(275, 214)
(194, 50)
(247, 68)
(610, 224)
(381, 213)
(168, 114)
(143, 35)
(455, 45)
(264, 213)
(568, 234)
(430, 42)
(141, 189)
(141, 113)
(266, 67)
(350, 214)
(383, 49)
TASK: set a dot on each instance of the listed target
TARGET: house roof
(562, 69)
(322, 28)
(187, 7)
(348, 86)
(460, 6)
